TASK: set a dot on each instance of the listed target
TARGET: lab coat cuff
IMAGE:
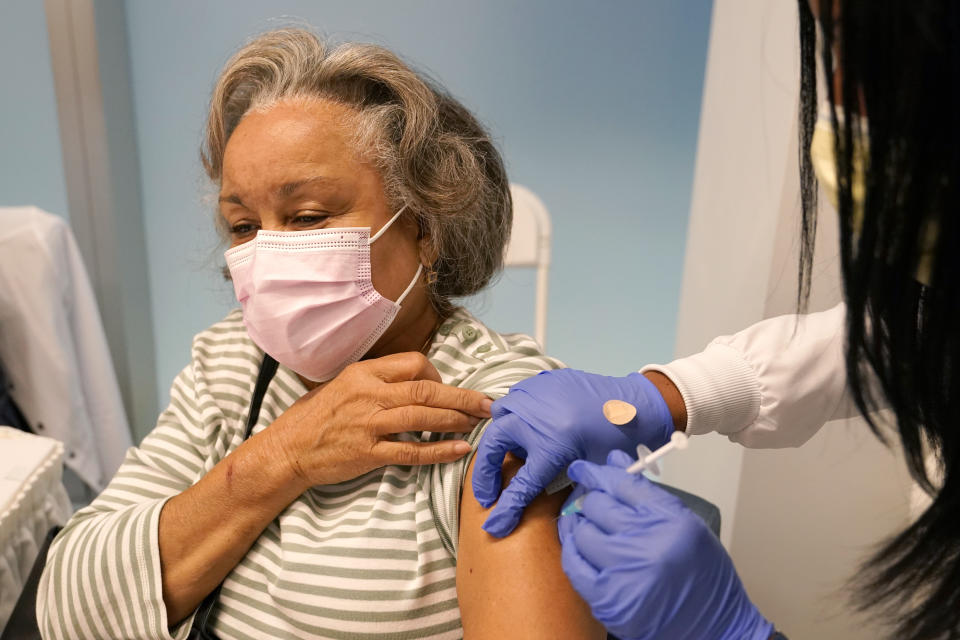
(720, 389)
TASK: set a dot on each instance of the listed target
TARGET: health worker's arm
(515, 587)
(771, 385)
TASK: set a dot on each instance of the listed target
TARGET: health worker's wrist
(671, 396)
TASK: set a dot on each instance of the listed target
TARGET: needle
(647, 460)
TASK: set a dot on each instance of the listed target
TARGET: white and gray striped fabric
(371, 558)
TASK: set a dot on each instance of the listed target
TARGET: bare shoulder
(514, 587)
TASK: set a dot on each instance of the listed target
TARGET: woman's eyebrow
(287, 189)
(232, 198)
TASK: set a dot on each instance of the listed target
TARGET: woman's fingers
(419, 453)
(427, 393)
(415, 381)
(400, 367)
(418, 418)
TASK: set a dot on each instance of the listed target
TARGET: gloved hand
(552, 419)
(649, 567)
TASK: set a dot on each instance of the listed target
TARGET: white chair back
(530, 247)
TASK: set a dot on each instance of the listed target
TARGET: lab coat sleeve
(102, 578)
(771, 385)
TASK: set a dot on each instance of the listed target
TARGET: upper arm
(514, 587)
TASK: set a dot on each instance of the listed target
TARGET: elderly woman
(358, 200)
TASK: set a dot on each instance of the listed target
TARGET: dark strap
(201, 622)
(267, 370)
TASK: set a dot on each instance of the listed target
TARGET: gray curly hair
(431, 152)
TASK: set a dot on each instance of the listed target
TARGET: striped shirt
(373, 557)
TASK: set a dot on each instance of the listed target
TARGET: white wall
(749, 105)
(796, 521)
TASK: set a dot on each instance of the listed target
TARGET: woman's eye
(242, 229)
(309, 219)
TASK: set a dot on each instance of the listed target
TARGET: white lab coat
(53, 345)
(771, 385)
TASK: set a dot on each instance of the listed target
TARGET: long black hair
(897, 62)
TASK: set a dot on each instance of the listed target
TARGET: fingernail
(486, 405)
(461, 448)
(474, 421)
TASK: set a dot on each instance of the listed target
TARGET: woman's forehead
(292, 144)
(291, 132)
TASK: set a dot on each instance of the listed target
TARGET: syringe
(645, 460)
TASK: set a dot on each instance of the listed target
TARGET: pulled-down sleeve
(102, 577)
(771, 385)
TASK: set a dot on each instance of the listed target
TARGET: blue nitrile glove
(647, 565)
(552, 419)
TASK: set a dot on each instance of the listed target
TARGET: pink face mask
(307, 297)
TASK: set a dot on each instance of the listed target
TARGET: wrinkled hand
(647, 565)
(345, 428)
(551, 420)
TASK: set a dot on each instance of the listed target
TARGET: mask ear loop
(416, 276)
(374, 237)
(409, 288)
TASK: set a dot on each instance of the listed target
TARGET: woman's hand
(346, 427)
